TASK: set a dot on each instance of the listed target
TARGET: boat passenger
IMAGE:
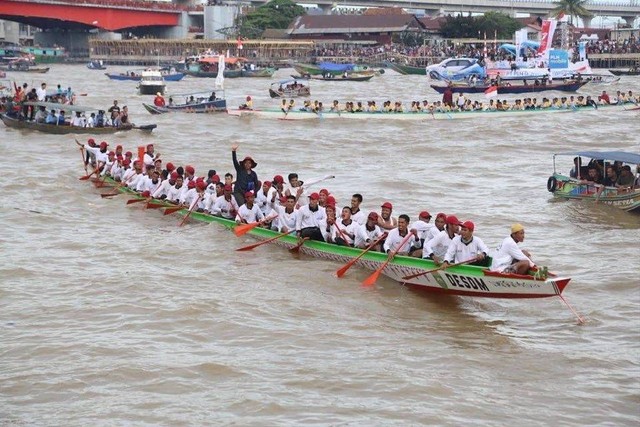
(114, 110)
(626, 179)
(249, 212)
(51, 119)
(612, 177)
(385, 220)
(246, 177)
(309, 218)
(368, 233)
(225, 205)
(41, 115)
(159, 101)
(212, 97)
(359, 107)
(397, 235)
(61, 119)
(466, 247)
(604, 99)
(42, 92)
(437, 247)
(78, 120)
(509, 258)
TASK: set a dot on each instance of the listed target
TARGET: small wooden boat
(135, 76)
(24, 69)
(344, 78)
(633, 71)
(578, 188)
(407, 69)
(323, 68)
(235, 67)
(512, 88)
(289, 88)
(197, 102)
(16, 123)
(260, 72)
(463, 280)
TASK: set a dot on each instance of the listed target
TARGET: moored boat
(633, 71)
(407, 69)
(576, 185)
(167, 75)
(464, 280)
(346, 77)
(322, 68)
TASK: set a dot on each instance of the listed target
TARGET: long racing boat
(512, 88)
(463, 280)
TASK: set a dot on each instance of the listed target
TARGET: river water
(113, 315)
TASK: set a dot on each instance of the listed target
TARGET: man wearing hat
(99, 153)
(385, 220)
(163, 189)
(466, 247)
(287, 216)
(310, 217)
(439, 223)
(246, 178)
(509, 258)
(225, 205)
(150, 156)
(249, 211)
(266, 198)
(175, 192)
(437, 247)
(422, 227)
(368, 233)
(158, 101)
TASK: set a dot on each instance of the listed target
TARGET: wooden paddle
(154, 205)
(173, 209)
(242, 229)
(297, 247)
(442, 267)
(193, 206)
(83, 155)
(255, 245)
(132, 201)
(342, 270)
(371, 280)
(86, 177)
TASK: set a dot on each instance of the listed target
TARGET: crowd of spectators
(630, 45)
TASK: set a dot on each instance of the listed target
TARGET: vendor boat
(576, 187)
(197, 102)
(290, 88)
(462, 280)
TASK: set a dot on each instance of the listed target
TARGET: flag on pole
(491, 91)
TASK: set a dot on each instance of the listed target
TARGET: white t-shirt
(460, 251)
(506, 254)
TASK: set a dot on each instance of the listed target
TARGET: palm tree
(571, 8)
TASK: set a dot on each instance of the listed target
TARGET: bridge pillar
(215, 18)
(325, 8)
(629, 20)
(586, 21)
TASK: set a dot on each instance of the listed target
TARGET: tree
(571, 8)
(275, 14)
(491, 23)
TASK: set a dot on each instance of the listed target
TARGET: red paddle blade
(84, 178)
(151, 205)
(345, 267)
(371, 280)
(108, 194)
(243, 229)
(131, 201)
(169, 211)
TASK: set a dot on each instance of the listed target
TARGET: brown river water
(111, 315)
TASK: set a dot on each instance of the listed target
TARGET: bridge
(117, 15)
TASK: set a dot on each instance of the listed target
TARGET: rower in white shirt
(368, 232)
(111, 160)
(175, 192)
(397, 236)
(439, 224)
(150, 155)
(266, 198)
(249, 212)
(225, 205)
(100, 153)
(466, 246)
(346, 228)
(422, 227)
(309, 218)
(163, 189)
(287, 216)
(189, 195)
(437, 247)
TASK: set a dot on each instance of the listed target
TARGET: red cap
(128, 154)
(149, 146)
(91, 142)
(146, 193)
(104, 144)
(126, 162)
(314, 196)
(136, 162)
(190, 170)
(331, 200)
(228, 188)
(387, 205)
(248, 194)
(424, 214)
(119, 157)
(174, 175)
(325, 191)
(441, 215)
(111, 153)
(170, 167)
(215, 178)
(373, 216)
(278, 179)
(331, 206)
(469, 225)
(199, 179)
(201, 185)
(453, 220)
(191, 184)
(118, 147)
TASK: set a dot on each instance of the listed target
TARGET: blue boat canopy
(332, 66)
(620, 156)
